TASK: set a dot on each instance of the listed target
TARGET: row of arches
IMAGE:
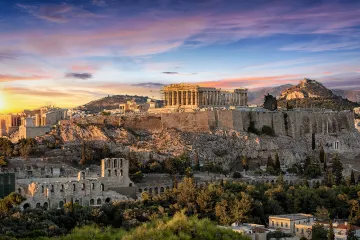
(74, 186)
(116, 173)
(154, 190)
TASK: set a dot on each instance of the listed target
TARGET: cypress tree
(352, 178)
(322, 155)
(277, 165)
(337, 169)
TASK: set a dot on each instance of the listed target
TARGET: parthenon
(193, 96)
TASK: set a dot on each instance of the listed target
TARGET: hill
(256, 96)
(312, 94)
(112, 102)
(351, 95)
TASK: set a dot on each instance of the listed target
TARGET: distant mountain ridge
(111, 102)
(257, 96)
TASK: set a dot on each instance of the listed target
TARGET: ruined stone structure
(9, 123)
(85, 190)
(194, 96)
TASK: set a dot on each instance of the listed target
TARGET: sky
(70, 52)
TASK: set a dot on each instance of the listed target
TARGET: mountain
(353, 96)
(111, 102)
(256, 96)
(312, 94)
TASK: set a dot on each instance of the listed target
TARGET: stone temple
(193, 96)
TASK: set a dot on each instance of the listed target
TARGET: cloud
(13, 78)
(99, 3)
(148, 85)
(177, 73)
(170, 72)
(6, 56)
(319, 46)
(79, 75)
(252, 82)
(37, 93)
(55, 13)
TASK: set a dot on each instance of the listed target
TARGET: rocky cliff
(312, 94)
(214, 135)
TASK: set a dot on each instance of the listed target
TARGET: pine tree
(337, 169)
(352, 178)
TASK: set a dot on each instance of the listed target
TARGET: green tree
(352, 178)
(337, 169)
(319, 232)
(270, 162)
(241, 208)
(244, 163)
(322, 155)
(322, 214)
(277, 165)
(331, 234)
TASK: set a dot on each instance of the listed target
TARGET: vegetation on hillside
(223, 203)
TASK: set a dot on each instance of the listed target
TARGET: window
(109, 173)
(297, 229)
(102, 187)
(42, 189)
(62, 188)
(277, 224)
(281, 224)
(121, 172)
(286, 225)
(302, 231)
(93, 186)
(74, 187)
(115, 172)
(336, 145)
(83, 186)
(52, 188)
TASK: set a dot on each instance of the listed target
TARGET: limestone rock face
(219, 145)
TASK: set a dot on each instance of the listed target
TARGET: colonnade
(205, 98)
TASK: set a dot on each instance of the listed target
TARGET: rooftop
(295, 216)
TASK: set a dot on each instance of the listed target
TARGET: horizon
(68, 53)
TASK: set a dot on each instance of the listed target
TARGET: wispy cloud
(78, 75)
(318, 46)
(13, 78)
(178, 73)
(99, 3)
(149, 85)
(55, 13)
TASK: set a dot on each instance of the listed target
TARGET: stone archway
(38, 205)
(27, 205)
(98, 202)
(46, 205)
(61, 204)
(108, 200)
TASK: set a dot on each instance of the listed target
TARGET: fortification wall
(189, 121)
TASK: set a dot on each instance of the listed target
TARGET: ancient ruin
(194, 96)
(87, 189)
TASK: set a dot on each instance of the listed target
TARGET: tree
(241, 208)
(322, 214)
(322, 155)
(270, 102)
(313, 142)
(319, 232)
(270, 162)
(277, 165)
(337, 169)
(352, 177)
(222, 212)
(244, 163)
(331, 234)
(2, 161)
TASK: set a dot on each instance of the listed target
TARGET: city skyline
(68, 53)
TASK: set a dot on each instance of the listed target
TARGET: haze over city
(68, 53)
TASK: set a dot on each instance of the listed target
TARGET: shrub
(268, 131)
(236, 175)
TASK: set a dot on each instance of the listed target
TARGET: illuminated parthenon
(194, 96)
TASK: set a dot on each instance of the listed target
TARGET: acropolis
(193, 96)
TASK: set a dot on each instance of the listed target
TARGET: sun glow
(2, 101)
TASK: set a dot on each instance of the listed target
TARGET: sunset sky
(68, 53)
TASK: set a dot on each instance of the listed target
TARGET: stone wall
(295, 124)
(32, 132)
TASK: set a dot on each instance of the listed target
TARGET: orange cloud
(252, 82)
(12, 78)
